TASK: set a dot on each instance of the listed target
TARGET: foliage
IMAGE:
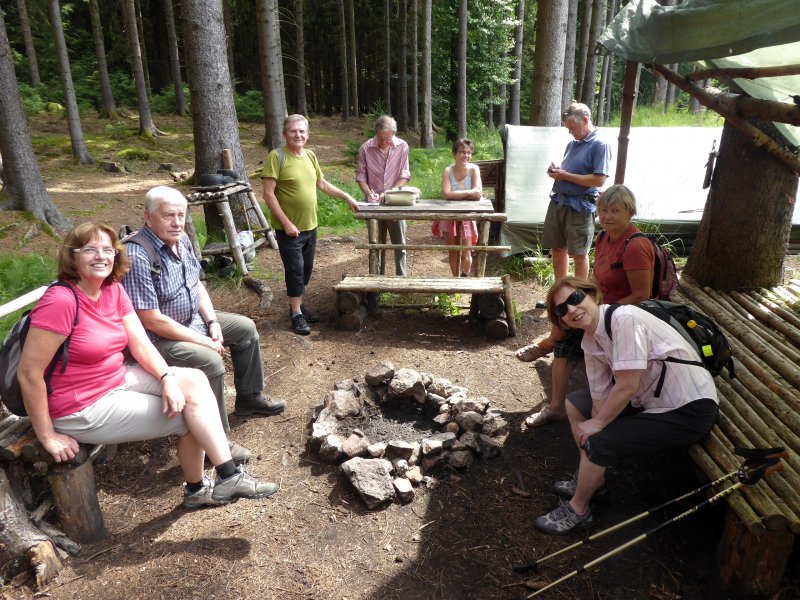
(447, 304)
(165, 102)
(656, 116)
(19, 275)
(33, 98)
(540, 269)
(249, 106)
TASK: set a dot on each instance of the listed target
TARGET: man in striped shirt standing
(382, 165)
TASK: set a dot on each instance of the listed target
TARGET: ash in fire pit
(399, 425)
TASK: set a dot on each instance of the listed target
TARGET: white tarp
(665, 171)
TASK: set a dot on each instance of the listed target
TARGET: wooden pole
(628, 99)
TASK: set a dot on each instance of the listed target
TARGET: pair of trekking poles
(758, 462)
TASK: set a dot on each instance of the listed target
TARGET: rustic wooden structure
(493, 175)
(759, 407)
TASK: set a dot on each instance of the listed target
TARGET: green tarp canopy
(719, 33)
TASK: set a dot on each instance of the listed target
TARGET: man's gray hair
(293, 118)
(385, 123)
(576, 111)
(162, 194)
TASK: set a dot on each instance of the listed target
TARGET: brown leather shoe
(258, 405)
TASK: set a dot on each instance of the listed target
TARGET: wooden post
(230, 231)
(483, 240)
(374, 255)
(512, 324)
(75, 497)
(628, 98)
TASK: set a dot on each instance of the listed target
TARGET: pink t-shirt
(95, 362)
(613, 282)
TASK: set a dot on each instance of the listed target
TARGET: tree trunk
(174, 59)
(344, 80)
(23, 188)
(109, 108)
(583, 48)
(79, 149)
(548, 63)
(216, 126)
(300, 59)
(353, 67)
(30, 49)
(501, 106)
(513, 100)
(567, 90)
(146, 126)
(741, 243)
(590, 74)
(229, 33)
(426, 128)
(142, 47)
(272, 92)
(672, 91)
(413, 118)
(461, 54)
(402, 73)
(387, 67)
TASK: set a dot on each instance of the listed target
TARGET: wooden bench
(491, 297)
(759, 407)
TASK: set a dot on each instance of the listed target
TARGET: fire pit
(397, 426)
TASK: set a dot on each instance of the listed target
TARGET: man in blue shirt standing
(569, 223)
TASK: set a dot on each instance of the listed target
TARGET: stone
(371, 478)
(415, 453)
(436, 443)
(367, 393)
(469, 420)
(437, 399)
(414, 475)
(400, 467)
(470, 440)
(460, 459)
(396, 449)
(405, 383)
(404, 489)
(478, 405)
(458, 445)
(376, 450)
(442, 418)
(379, 374)
(489, 447)
(321, 430)
(326, 416)
(420, 395)
(343, 404)
(355, 445)
(493, 424)
(432, 461)
(167, 166)
(441, 387)
(458, 396)
(452, 428)
(331, 448)
(347, 385)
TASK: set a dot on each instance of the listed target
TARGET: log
(512, 324)
(762, 313)
(372, 303)
(75, 497)
(353, 320)
(755, 108)
(743, 72)
(490, 306)
(497, 329)
(347, 301)
(784, 314)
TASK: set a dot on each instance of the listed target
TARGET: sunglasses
(573, 299)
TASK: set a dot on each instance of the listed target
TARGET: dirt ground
(458, 539)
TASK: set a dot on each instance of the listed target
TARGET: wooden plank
(452, 285)
(437, 247)
(22, 301)
(395, 214)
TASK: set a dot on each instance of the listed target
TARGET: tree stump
(353, 320)
(491, 306)
(497, 329)
(347, 301)
(75, 497)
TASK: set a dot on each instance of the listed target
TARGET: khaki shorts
(129, 413)
(567, 228)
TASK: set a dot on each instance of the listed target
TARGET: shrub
(19, 275)
(250, 106)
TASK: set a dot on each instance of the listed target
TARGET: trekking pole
(767, 461)
(755, 457)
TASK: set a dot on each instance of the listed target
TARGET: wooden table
(481, 211)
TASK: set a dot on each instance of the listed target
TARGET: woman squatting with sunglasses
(636, 402)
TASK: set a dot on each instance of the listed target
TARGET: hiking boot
(241, 485)
(300, 325)
(239, 454)
(566, 489)
(564, 519)
(311, 317)
(257, 404)
(200, 498)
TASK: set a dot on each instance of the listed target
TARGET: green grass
(19, 275)
(649, 116)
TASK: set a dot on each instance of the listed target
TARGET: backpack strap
(145, 242)
(64, 348)
(607, 318)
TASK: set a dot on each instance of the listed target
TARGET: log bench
(759, 407)
(356, 296)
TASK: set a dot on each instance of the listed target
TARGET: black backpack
(702, 333)
(11, 353)
(665, 274)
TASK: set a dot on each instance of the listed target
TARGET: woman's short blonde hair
(78, 237)
(587, 287)
(618, 194)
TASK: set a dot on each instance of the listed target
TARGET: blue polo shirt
(174, 291)
(591, 155)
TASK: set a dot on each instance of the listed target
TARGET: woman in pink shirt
(100, 398)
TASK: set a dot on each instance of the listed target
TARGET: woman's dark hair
(78, 237)
(576, 283)
(462, 143)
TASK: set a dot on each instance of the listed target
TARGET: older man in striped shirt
(382, 165)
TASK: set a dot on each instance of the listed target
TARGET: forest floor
(463, 532)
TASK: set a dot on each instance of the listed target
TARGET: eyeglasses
(573, 299)
(108, 251)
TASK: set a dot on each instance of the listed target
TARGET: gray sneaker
(563, 519)
(241, 485)
(239, 454)
(566, 489)
(200, 498)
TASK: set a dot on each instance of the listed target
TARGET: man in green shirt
(291, 178)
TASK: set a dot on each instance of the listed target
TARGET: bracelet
(211, 322)
(166, 374)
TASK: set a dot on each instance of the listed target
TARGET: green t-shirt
(296, 189)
